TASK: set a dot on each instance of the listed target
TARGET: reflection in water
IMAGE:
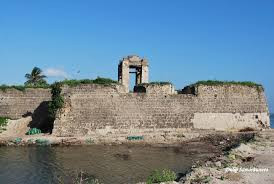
(28, 165)
(110, 164)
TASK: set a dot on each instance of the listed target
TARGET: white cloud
(55, 72)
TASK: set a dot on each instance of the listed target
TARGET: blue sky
(184, 41)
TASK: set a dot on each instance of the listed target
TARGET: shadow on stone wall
(188, 90)
(40, 118)
(139, 89)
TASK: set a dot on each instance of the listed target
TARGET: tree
(35, 78)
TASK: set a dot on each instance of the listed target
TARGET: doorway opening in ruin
(132, 79)
(132, 65)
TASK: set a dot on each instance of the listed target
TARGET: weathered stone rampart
(96, 109)
(15, 103)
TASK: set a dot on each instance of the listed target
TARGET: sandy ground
(16, 128)
(239, 164)
(263, 151)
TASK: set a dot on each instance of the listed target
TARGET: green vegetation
(89, 141)
(3, 123)
(132, 138)
(57, 101)
(98, 80)
(35, 78)
(17, 140)
(34, 131)
(220, 83)
(21, 87)
(159, 176)
(71, 83)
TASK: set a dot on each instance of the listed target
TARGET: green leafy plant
(57, 100)
(34, 131)
(89, 141)
(3, 121)
(159, 176)
(35, 78)
(17, 140)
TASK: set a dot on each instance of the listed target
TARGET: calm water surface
(110, 164)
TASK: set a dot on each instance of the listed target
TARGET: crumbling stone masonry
(133, 63)
(15, 104)
(92, 110)
(108, 110)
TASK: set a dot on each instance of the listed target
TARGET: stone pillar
(138, 76)
(125, 74)
(144, 72)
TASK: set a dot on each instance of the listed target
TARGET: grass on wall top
(221, 83)
(71, 83)
(98, 80)
(22, 87)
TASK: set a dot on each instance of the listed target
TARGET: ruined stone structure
(94, 109)
(15, 104)
(106, 110)
(140, 67)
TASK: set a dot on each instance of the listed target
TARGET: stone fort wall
(101, 110)
(15, 104)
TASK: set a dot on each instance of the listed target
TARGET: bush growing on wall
(57, 101)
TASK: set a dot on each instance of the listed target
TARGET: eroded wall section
(15, 104)
(96, 109)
